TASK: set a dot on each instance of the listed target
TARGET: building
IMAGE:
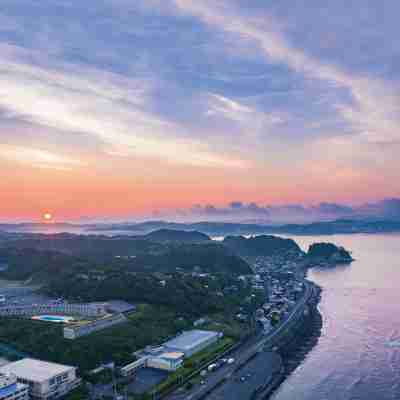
(45, 380)
(75, 331)
(166, 361)
(191, 342)
(131, 368)
(265, 323)
(84, 309)
(11, 389)
(158, 360)
(170, 355)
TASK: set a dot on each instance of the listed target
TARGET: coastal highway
(244, 353)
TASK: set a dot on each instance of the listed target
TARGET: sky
(124, 109)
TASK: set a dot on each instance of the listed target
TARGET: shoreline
(294, 350)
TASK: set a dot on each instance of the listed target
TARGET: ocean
(358, 354)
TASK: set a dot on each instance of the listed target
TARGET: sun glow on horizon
(47, 216)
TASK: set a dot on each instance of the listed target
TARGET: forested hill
(171, 235)
(329, 252)
(263, 245)
(145, 256)
(100, 247)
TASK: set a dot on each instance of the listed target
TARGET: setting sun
(48, 216)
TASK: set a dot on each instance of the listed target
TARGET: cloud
(277, 103)
(373, 104)
(115, 110)
(252, 212)
(387, 208)
(236, 204)
(229, 108)
(38, 158)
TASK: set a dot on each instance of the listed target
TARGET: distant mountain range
(164, 231)
(323, 219)
(172, 235)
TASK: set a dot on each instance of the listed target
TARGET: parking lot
(145, 379)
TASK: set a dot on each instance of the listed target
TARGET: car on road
(212, 367)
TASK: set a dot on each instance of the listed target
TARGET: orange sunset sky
(158, 106)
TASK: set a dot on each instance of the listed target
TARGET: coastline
(294, 348)
(305, 340)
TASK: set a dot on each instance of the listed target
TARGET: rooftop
(189, 339)
(34, 370)
(173, 355)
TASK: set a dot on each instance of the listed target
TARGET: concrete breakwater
(304, 340)
(293, 345)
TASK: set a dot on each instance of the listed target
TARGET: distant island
(328, 253)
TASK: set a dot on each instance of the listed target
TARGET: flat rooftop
(190, 339)
(34, 370)
(173, 355)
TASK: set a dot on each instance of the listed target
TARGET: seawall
(294, 345)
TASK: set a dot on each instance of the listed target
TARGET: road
(258, 371)
(243, 354)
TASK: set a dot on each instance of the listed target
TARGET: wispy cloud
(113, 109)
(230, 108)
(374, 105)
(38, 158)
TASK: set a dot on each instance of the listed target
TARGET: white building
(131, 368)
(11, 389)
(159, 360)
(45, 380)
(166, 361)
(191, 342)
(75, 331)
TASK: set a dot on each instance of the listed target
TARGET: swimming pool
(53, 318)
